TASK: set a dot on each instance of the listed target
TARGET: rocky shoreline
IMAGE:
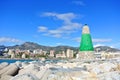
(61, 70)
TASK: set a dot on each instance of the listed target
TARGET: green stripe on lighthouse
(86, 41)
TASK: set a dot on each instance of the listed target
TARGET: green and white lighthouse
(86, 49)
(86, 41)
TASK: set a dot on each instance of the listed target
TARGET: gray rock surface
(6, 77)
(19, 64)
(43, 74)
(31, 68)
(3, 65)
(26, 76)
(12, 69)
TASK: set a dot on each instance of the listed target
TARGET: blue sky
(53, 22)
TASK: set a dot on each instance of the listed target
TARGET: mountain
(29, 46)
(32, 46)
(106, 49)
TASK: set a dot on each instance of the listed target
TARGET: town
(35, 54)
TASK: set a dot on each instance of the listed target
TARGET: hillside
(106, 49)
(32, 46)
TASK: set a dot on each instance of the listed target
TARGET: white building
(52, 53)
(23, 56)
(38, 51)
(69, 53)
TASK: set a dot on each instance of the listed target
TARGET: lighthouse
(86, 49)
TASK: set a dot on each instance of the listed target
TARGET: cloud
(112, 46)
(77, 39)
(102, 40)
(94, 40)
(96, 45)
(42, 29)
(80, 3)
(68, 26)
(8, 39)
(67, 17)
(58, 44)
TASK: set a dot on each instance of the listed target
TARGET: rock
(31, 68)
(12, 69)
(100, 68)
(96, 70)
(110, 76)
(3, 65)
(26, 76)
(60, 76)
(67, 65)
(118, 67)
(19, 64)
(43, 74)
(6, 77)
(24, 64)
(107, 67)
(92, 76)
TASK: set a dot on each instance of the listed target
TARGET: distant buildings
(110, 55)
(68, 53)
(62, 54)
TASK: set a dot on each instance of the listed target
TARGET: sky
(59, 22)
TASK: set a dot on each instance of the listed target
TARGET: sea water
(14, 60)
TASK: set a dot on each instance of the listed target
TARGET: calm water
(13, 60)
(28, 60)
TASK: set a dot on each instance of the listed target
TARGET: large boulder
(19, 64)
(24, 64)
(3, 65)
(43, 74)
(100, 68)
(107, 67)
(31, 68)
(12, 70)
(110, 76)
(26, 76)
(6, 77)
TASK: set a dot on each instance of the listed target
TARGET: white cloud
(113, 46)
(77, 39)
(8, 39)
(58, 44)
(94, 40)
(81, 3)
(42, 29)
(57, 35)
(96, 45)
(66, 16)
(102, 40)
(68, 26)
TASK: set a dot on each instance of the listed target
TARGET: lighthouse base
(86, 55)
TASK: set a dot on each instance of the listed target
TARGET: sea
(14, 60)
(29, 60)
